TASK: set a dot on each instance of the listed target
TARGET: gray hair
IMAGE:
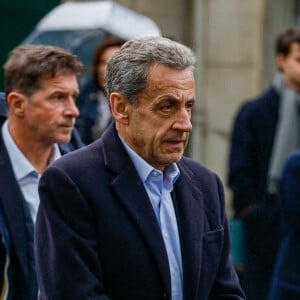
(127, 71)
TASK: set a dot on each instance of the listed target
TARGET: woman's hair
(107, 43)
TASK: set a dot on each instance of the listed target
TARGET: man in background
(41, 88)
(265, 131)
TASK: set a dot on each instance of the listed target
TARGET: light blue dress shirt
(159, 186)
(26, 175)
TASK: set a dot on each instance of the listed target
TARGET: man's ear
(119, 108)
(280, 60)
(16, 103)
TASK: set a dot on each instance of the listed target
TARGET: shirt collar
(21, 165)
(170, 174)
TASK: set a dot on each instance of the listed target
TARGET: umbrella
(80, 26)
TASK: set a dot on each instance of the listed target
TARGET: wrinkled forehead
(164, 80)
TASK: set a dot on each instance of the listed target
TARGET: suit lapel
(11, 201)
(190, 219)
(135, 200)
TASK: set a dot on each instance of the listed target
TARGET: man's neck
(37, 153)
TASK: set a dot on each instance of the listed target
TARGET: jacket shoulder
(199, 173)
(194, 166)
(264, 103)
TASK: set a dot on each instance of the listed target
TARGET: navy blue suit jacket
(97, 236)
(251, 146)
(286, 280)
(23, 283)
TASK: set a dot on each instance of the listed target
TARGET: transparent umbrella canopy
(80, 26)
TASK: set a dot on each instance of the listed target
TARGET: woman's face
(101, 68)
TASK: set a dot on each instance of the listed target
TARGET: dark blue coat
(17, 223)
(286, 280)
(251, 146)
(97, 236)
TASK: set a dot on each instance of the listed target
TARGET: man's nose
(183, 121)
(71, 108)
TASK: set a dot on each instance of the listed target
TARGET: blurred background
(233, 42)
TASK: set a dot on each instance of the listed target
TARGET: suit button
(165, 296)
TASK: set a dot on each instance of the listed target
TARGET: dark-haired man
(265, 132)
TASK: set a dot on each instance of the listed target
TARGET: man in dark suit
(41, 87)
(264, 134)
(128, 217)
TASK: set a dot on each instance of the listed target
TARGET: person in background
(286, 276)
(92, 102)
(41, 88)
(128, 217)
(265, 132)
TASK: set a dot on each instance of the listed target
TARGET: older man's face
(159, 126)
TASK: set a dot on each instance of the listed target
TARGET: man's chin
(173, 158)
(63, 139)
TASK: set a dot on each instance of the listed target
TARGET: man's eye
(189, 105)
(167, 107)
(58, 97)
